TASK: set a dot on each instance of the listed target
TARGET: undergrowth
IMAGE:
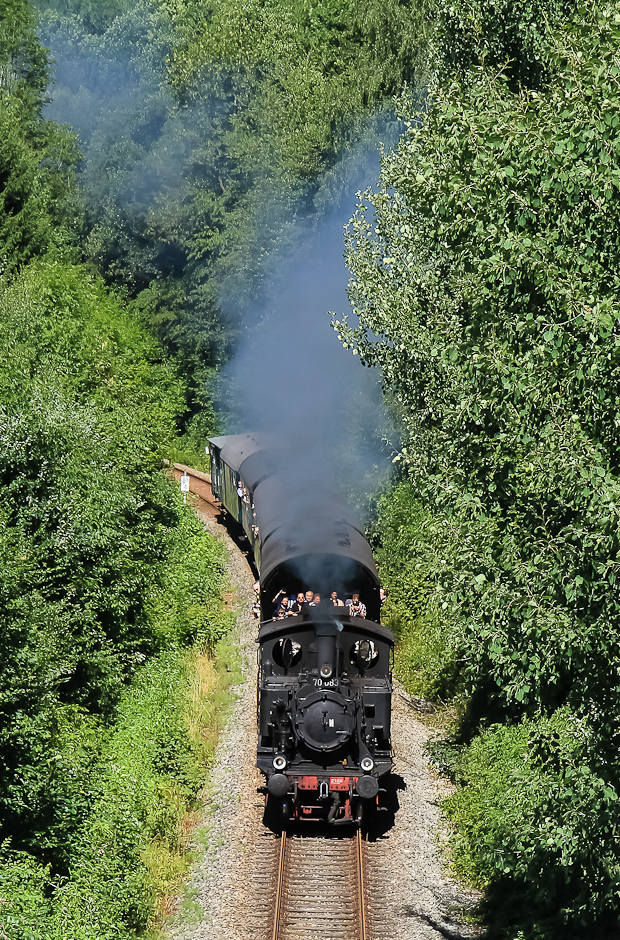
(126, 791)
(535, 816)
(413, 551)
(207, 699)
(534, 823)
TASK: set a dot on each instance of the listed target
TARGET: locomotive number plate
(326, 683)
(338, 783)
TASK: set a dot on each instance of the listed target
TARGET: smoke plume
(292, 377)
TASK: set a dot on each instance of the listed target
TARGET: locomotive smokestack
(326, 632)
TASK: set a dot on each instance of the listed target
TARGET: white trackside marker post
(185, 486)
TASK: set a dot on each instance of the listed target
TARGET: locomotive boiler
(324, 681)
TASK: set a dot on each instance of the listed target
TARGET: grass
(208, 699)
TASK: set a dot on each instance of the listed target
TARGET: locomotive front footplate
(337, 800)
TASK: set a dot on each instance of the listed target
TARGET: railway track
(320, 891)
(302, 887)
(199, 486)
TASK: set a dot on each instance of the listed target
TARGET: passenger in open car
(356, 608)
(279, 599)
(256, 605)
(283, 610)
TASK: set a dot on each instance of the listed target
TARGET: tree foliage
(24, 69)
(507, 35)
(485, 282)
(491, 270)
(35, 155)
(205, 131)
(95, 587)
(413, 546)
(85, 518)
(536, 811)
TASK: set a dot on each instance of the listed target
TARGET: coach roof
(298, 517)
(235, 448)
(297, 500)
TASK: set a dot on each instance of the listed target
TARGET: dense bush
(538, 822)
(125, 794)
(105, 578)
(413, 550)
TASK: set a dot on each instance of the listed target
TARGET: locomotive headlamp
(367, 764)
(279, 762)
(326, 671)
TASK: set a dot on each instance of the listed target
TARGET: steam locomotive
(324, 683)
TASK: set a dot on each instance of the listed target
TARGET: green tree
(36, 156)
(490, 269)
(86, 408)
(511, 35)
(485, 283)
(205, 132)
(105, 580)
(24, 69)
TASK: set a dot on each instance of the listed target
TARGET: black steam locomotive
(324, 685)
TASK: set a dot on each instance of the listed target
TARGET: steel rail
(320, 889)
(277, 906)
(360, 886)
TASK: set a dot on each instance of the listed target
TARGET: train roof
(299, 518)
(283, 499)
(260, 465)
(235, 448)
(285, 547)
